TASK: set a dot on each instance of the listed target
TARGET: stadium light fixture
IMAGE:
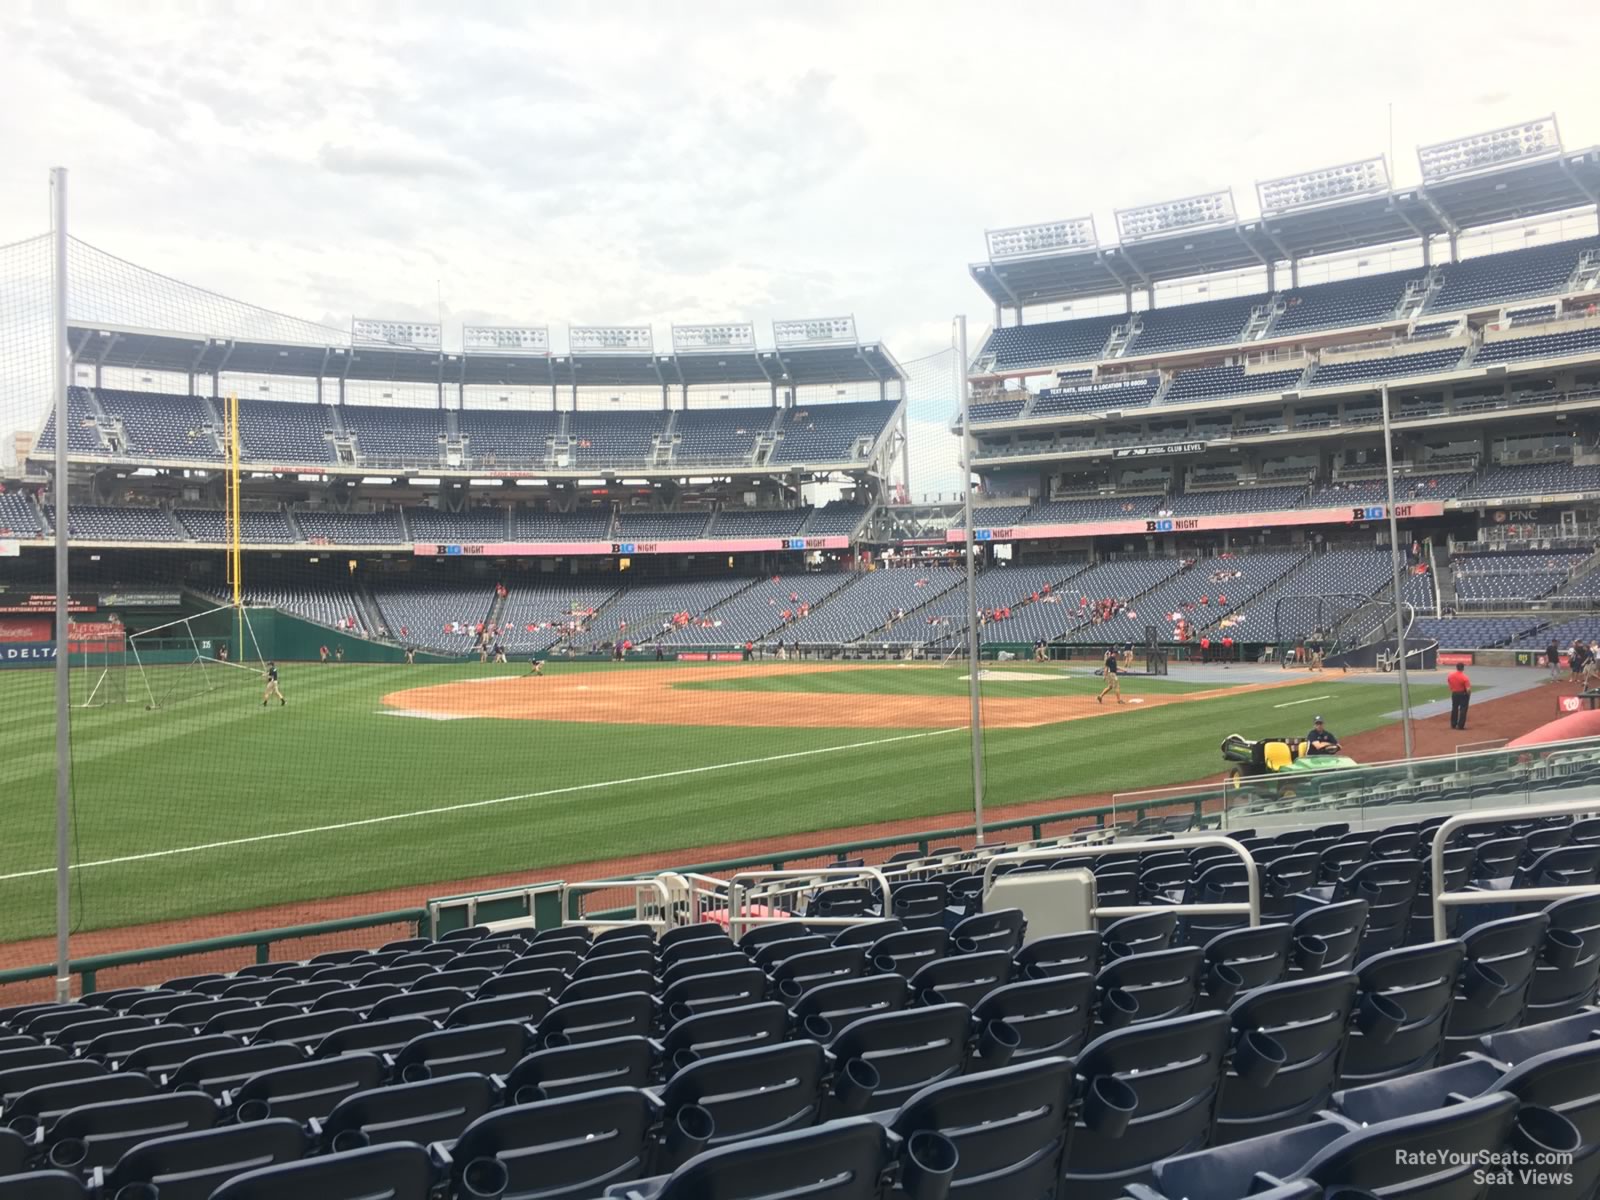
(610, 339)
(505, 339)
(722, 335)
(1049, 237)
(1528, 141)
(1289, 193)
(404, 335)
(1192, 212)
(815, 331)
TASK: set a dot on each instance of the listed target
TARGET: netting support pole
(973, 658)
(60, 380)
(1394, 567)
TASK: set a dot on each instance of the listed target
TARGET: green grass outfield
(216, 804)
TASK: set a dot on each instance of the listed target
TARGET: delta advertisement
(27, 654)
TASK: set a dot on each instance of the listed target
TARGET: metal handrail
(639, 886)
(741, 882)
(1443, 900)
(1250, 908)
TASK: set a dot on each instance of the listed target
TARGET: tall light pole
(1394, 567)
(973, 659)
(60, 379)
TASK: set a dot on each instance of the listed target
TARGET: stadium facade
(1196, 471)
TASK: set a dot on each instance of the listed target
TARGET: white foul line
(449, 808)
(1307, 700)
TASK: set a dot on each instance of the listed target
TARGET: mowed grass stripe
(329, 757)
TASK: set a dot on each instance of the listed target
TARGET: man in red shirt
(1460, 697)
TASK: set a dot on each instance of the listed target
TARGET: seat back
(491, 1049)
(1165, 983)
(742, 1028)
(1010, 1126)
(1387, 1158)
(1417, 983)
(105, 1132)
(1141, 934)
(576, 1146)
(309, 1090)
(841, 1160)
(1560, 989)
(1061, 954)
(909, 950)
(1175, 1071)
(800, 972)
(909, 1049)
(1256, 956)
(586, 1067)
(190, 1166)
(1002, 929)
(764, 1091)
(216, 1072)
(846, 1000)
(1052, 1016)
(397, 1172)
(963, 978)
(1497, 952)
(433, 1110)
(1389, 886)
(1339, 927)
(1309, 1018)
(627, 1015)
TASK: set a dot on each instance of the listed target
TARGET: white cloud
(634, 162)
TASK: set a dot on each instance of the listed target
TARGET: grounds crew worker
(1320, 740)
(1460, 697)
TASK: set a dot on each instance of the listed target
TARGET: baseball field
(379, 777)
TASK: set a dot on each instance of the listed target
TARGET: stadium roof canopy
(184, 353)
(1525, 189)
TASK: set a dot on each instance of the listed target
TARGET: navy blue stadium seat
(627, 1015)
(907, 951)
(1162, 984)
(1339, 928)
(908, 1049)
(586, 1067)
(527, 1007)
(431, 1110)
(1051, 1016)
(561, 1149)
(43, 1185)
(962, 978)
(1308, 1018)
(1010, 1127)
(190, 1166)
(222, 1070)
(720, 989)
(1386, 1159)
(379, 1037)
(40, 1106)
(1150, 1092)
(97, 1135)
(768, 1090)
(308, 1090)
(1492, 992)
(1241, 960)
(845, 1000)
(841, 1160)
(394, 1172)
(481, 1049)
(1061, 954)
(1405, 999)
(741, 1028)
(1562, 986)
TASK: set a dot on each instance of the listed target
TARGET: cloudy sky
(629, 162)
